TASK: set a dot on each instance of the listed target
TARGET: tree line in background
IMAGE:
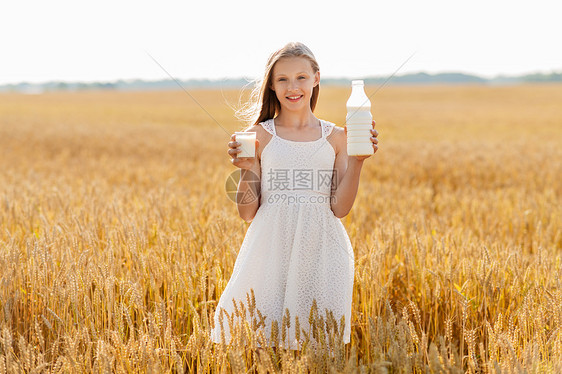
(169, 84)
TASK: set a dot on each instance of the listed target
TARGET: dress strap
(268, 126)
(327, 128)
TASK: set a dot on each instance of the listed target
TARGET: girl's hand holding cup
(243, 149)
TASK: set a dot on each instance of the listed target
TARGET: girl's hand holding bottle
(374, 140)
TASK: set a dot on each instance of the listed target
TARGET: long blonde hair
(263, 103)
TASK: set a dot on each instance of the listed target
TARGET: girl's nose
(293, 85)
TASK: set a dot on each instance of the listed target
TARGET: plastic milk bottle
(359, 121)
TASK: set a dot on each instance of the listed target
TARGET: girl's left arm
(347, 171)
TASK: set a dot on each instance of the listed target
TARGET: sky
(105, 41)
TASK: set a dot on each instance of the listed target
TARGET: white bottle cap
(359, 81)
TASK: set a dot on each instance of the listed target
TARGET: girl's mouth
(295, 98)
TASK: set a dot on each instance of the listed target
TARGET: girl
(296, 251)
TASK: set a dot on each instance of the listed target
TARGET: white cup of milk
(247, 140)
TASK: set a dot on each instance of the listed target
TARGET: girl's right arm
(248, 196)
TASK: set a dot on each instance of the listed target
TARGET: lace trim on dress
(268, 126)
(327, 127)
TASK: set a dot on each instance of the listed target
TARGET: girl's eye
(281, 79)
(302, 77)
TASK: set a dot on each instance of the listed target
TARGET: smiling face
(293, 81)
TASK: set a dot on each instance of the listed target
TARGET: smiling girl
(296, 251)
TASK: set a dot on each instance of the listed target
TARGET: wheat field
(117, 236)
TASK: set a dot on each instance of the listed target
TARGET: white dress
(295, 249)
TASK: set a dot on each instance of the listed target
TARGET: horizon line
(250, 79)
